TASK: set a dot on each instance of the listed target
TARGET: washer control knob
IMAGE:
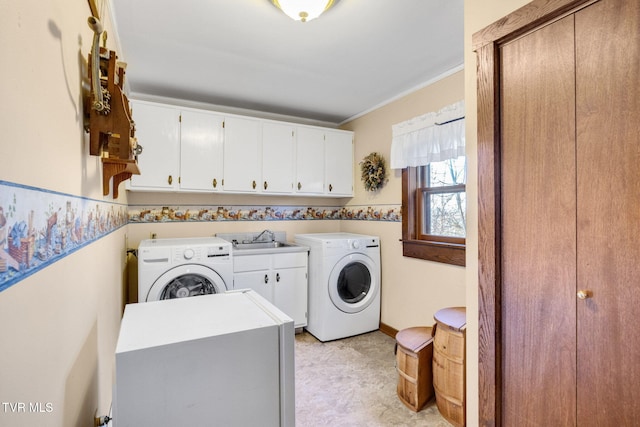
(188, 253)
(355, 244)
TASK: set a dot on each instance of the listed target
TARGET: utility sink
(265, 242)
(261, 245)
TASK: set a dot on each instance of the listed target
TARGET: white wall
(59, 325)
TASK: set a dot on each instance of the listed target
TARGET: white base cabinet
(280, 278)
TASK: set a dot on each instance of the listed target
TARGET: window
(441, 202)
(430, 150)
(434, 206)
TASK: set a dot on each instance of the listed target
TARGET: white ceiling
(247, 54)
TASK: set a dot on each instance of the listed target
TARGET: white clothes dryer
(344, 284)
(184, 267)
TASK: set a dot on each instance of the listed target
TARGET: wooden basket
(451, 410)
(413, 358)
(449, 382)
(449, 373)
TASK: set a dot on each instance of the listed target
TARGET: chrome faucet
(259, 236)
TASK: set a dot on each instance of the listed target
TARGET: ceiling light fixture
(303, 10)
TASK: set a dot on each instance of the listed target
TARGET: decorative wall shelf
(120, 170)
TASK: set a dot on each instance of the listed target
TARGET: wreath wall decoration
(373, 172)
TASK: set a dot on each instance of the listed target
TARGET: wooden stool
(414, 352)
(449, 364)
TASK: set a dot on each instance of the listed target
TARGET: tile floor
(352, 382)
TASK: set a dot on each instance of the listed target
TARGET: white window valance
(432, 137)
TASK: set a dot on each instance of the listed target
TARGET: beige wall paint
(412, 289)
(60, 325)
(477, 15)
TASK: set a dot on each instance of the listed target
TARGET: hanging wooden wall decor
(108, 118)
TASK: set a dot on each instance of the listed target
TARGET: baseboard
(386, 329)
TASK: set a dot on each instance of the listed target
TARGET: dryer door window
(186, 281)
(353, 283)
(188, 285)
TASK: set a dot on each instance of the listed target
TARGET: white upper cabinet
(278, 152)
(193, 150)
(338, 163)
(242, 154)
(310, 161)
(158, 132)
(201, 151)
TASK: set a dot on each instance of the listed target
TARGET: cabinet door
(241, 154)
(277, 157)
(338, 151)
(290, 293)
(260, 281)
(310, 161)
(201, 151)
(158, 131)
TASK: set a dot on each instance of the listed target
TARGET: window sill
(446, 253)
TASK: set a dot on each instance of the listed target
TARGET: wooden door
(538, 228)
(559, 214)
(608, 212)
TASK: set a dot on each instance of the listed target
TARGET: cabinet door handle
(330, 187)
(215, 183)
(265, 185)
(266, 278)
(277, 277)
(253, 184)
(299, 186)
(170, 180)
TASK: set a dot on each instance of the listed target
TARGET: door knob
(584, 294)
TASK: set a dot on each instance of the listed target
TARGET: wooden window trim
(435, 248)
(420, 195)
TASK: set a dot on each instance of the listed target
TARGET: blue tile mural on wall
(39, 227)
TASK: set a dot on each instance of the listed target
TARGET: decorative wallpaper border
(39, 227)
(155, 214)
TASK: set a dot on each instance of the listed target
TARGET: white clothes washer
(184, 267)
(344, 284)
